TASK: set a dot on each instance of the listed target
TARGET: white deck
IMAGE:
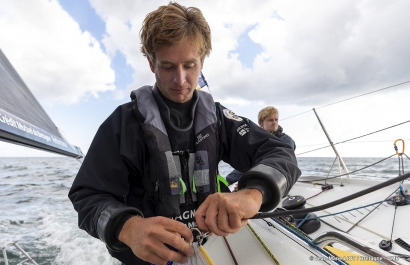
(248, 250)
(375, 227)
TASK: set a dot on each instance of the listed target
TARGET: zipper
(184, 158)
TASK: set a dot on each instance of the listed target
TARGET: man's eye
(189, 65)
(167, 66)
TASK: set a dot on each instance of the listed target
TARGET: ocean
(35, 210)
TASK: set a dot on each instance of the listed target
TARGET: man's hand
(226, 213)
(147, 236)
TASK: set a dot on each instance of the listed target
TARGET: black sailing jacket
(114, 171)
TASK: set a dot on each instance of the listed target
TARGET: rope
(345, 211)
(365, 94)
(356, 224)
(317, 194)
(290, 226)
(304, 238)
(263, 244)
(336, 202)
(357, 170)
(230, 250)
(303, 220)
(356, 137)
(394, 219)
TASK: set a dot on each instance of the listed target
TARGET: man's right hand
(147, 236)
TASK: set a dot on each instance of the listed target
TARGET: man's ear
(151, 65)
(202, 62)
(261, 124)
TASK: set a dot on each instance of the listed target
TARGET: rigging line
(354, 138)
(317, 194)
(296, 115)
(357, 223)
(357, 170)
(373, 132)
(305, 237)
(364, 94)
(263, 244)
(335, 202)
(394, 218)
(230, 250)
(347, 99)
(345, 211)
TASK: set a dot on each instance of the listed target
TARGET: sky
(81, 59)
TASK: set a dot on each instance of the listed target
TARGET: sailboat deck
(249, 251)
(371, 224)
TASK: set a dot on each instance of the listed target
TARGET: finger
(236, 223)
(235, 215)
(166, 254)
(200, 215)
(173, 227)
(183, 231)
(223, 217)
(212, 217)
(178, 243)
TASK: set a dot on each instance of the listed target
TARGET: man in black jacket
(151, 172)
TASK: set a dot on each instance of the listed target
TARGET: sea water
(36, 212)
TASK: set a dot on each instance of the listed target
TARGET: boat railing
(28, 258)
(368, 251)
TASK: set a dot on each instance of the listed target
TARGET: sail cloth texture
(22, 118)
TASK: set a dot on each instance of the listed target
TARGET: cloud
(316, 50)
(313, 49)
(58, 62)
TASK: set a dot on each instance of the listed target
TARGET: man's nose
(180, 76)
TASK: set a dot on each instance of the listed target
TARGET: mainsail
(22, 119)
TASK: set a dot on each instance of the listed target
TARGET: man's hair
(265, 112)
(170, 24)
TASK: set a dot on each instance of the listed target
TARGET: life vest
(178, 176)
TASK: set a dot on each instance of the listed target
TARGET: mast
(341, 162)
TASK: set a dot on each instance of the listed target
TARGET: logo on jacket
(231, 115)
(243, 129)
(200, 138)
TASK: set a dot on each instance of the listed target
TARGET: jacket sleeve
(268, 163)
(100, 190)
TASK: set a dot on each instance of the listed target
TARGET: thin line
(364, 94)
(347, 99)
(230, 251)
(263, 244)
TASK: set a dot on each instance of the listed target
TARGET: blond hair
(170, 24)
(265, 112)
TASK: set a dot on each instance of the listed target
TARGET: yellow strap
(350, 258)
(206, 255)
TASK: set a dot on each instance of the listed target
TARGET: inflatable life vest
(179, 177)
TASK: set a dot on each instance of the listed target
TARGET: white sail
(22, 119)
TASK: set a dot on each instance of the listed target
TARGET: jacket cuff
(269, 181)
(110, 223)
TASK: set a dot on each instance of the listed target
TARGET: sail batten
(23, 120)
